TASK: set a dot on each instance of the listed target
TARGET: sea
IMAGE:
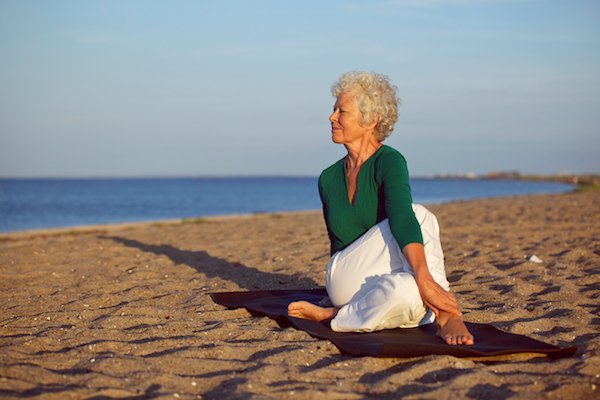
(27, 204)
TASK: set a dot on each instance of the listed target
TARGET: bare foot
(305, 310)
(452, 329)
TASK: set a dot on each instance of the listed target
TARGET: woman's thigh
(373, 254)
(384, 302)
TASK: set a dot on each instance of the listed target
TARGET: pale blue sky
(187, 88)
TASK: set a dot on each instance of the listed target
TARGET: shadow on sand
(245, 277)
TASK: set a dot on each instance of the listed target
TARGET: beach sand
(124, 311)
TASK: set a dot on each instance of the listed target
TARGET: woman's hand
(434, 296)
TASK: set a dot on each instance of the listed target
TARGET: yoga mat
(411, 342)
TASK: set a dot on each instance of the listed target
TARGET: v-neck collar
(351, 203)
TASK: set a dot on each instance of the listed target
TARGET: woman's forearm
(415, 255)
(433, 295)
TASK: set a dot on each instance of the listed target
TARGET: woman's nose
(333, 116)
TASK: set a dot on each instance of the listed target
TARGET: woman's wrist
(424, 281)
(422, 273)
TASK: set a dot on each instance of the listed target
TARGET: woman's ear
(374, 122)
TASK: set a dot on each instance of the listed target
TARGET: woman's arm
(407, 232)
(433, 295)
(398, 199)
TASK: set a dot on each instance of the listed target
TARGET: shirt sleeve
(325, 215)
(398, 200)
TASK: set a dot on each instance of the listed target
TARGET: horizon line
(441, 175)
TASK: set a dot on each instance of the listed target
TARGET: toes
(465, 339)
(293, 309)
(457, 339)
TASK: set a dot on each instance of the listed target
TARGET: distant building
(503, 175)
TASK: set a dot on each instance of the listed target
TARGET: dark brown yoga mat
(411, 342)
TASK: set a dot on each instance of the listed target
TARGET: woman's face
(346, 120)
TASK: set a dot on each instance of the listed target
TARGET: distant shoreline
(584, 182)
(436, 193)
(104, 228)
(117, 226)
(509, 175)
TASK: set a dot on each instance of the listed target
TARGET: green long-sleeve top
(382, 191)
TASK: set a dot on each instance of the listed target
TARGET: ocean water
(44, 203)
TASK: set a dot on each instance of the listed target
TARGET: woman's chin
(336, 139)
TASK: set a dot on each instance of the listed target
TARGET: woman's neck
(359, 152)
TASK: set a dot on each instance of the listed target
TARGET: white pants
(374, 285)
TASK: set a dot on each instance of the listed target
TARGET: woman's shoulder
(332, 169)
(390, 157)
(330, 177)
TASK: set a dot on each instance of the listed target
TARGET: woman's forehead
(345, 98)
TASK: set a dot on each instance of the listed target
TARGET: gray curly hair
(375, 96)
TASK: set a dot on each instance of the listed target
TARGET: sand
(124, 312)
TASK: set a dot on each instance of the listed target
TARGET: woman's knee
(425, 217)
(402, 294)
(401, 289)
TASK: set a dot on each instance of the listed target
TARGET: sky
(236, 88)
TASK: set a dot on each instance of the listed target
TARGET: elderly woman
(387, 267)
